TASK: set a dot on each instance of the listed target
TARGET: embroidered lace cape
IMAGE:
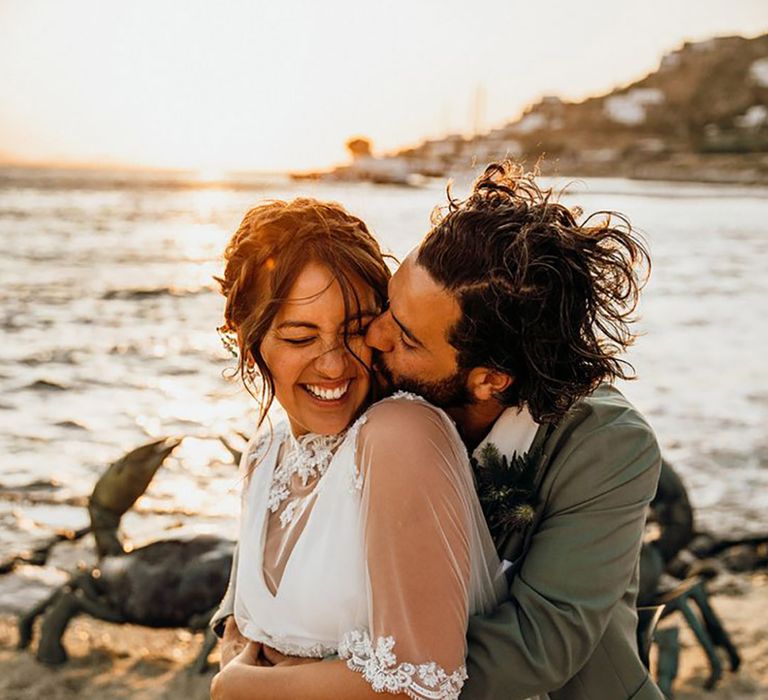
(371, 544)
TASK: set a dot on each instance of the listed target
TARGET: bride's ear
(486, 384)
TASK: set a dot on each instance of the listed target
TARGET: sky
(253, 85)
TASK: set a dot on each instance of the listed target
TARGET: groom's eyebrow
(405, 330)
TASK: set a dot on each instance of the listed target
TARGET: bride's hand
(274, 658)
(252, 654)
(232, 642)
(229, 681)
(225, 682)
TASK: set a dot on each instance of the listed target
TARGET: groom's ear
(486, 384)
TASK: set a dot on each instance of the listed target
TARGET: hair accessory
(228, 341)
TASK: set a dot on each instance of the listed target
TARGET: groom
(510, 315)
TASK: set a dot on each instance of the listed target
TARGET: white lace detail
(356, 478)
(308, 456)
(259, 449)
(410, 396)
(379, 667)
(289, 514)
(355, 427)
(316, 650)
(355, 482)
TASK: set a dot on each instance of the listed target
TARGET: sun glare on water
(210, 175)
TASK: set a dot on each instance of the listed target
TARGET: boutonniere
(506, 488)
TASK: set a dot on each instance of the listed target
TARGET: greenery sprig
(507, 489)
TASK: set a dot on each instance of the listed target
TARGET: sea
(109, 310)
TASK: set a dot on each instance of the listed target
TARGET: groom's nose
(379, 336)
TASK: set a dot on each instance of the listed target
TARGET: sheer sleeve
(430, 559)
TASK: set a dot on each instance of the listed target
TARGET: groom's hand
(232, 642)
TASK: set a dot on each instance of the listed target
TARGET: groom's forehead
(420, 301)
(412, 284)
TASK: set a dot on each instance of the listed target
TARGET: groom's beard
(450, 392)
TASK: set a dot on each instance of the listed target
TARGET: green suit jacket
(569, 626)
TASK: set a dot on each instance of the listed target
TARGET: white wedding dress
(370, 544)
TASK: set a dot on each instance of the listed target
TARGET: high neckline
(307, 456)
(310, 453)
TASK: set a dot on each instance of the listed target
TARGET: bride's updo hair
(273, 244)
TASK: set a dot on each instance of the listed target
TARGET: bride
(362, 543)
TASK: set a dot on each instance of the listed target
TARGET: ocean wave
(151, 292)
(45, 385)
(82, 179)
(61, 356)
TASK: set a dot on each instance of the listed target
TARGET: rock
(729, 584)
(740, 558)
(702, 544)
(706, 568)
(681, 564)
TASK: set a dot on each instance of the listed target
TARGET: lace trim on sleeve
(379, 667)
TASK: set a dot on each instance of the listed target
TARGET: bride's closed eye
(298, 341)
(355, 332)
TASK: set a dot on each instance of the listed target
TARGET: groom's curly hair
(545, 298)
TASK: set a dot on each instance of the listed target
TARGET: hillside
(702, 115)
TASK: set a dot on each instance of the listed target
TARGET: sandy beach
(110, 661)
(742, 609)
(106, 661)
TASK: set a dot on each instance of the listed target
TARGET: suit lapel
(513, 544)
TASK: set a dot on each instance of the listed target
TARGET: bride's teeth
(328, 394)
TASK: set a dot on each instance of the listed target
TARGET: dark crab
(175, 582)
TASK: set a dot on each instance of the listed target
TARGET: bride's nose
(333, 362)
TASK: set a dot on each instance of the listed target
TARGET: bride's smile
(328, 393)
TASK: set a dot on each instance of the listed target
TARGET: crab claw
(119, 488)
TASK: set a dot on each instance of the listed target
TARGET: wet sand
(106, 661)
(124, 661)
(744, 616)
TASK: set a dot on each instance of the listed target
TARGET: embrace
(454, 499)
